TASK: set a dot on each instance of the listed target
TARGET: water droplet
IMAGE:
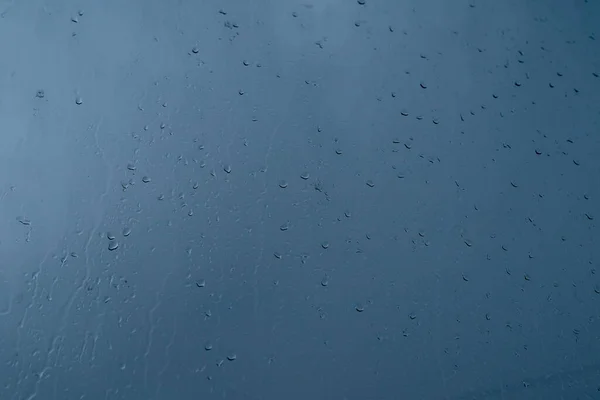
(23, 220)
(338, 152)
(347, 213)
(305, 175)
(131, 167)
(110, 236)
(285, 226)
(370, 183)
(208, 346)
(113, 245)
(412, 315)
(40, 94)
(283, 184)
(359, 307)
(232, 357)
(325, 281)
(195, 49)
(277, 255)
(126, 231)
(361, 2)
(325, 245)
(227, 168)
(201, 283)
(146, 179)
(78, 101)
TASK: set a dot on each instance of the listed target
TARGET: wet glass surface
(367, 199)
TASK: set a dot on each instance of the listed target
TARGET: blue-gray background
(314, 199)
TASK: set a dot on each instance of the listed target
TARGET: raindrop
(285, 226)
(361, 2)
(23, 220)
(325, 281)
(110, 236)
(195, 49)
(113, 245)
(412, 315)
(146, 179)
(208, 346)
(40, 94)
(131, 167)
(347, 213)
(359, 307)
(338, 152)
(277, 255)
(201, 283)
(305, 175)
(227, 168)
(370, 183)
(283, 184)
(78, 101)
(325, 245)
(126, 231)
(232, 357)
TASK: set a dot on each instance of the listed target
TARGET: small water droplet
(40, 94)
(232, 357)
(370, 183)
(146, 179)
(325, 281)
(285, 226)
(283, 184)
(110, 236)
(113, 245)
(325, 245)
(201, 283)
(277, 255)
(227, 168)
(305, 175)
(78, 101)
(195, 49)
(23, 220)
(131, 167)
(126, 231)
(208, 346)
(359, 307)
(361, 2)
